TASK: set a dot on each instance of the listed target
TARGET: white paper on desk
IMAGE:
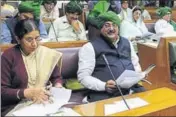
(61, 97)
(66, 112)
(120, 106)
(129, 78)
(147, 35)
(133, 102)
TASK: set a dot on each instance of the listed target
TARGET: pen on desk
(47, 88)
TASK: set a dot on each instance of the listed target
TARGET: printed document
(129, 77)
(60, 97)
(120, 106)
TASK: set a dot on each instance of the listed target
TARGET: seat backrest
(93, 32)
(69, 62)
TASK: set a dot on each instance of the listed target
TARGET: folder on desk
(129, 77)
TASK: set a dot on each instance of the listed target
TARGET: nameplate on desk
(119, 106)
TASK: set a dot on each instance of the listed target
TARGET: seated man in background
(125, 10)
(165, 26)
(68, 27)
(93, 72)
(7, 10)
(145, 14)
(49, 11)
(27, 10)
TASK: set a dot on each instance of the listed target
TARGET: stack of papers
(120, 106)
(129, 77)
(61, 97)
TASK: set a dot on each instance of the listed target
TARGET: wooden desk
(62, 44)
(160, 76)
(147, 56)
(161, 101)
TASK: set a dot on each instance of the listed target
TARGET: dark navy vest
(119, 60)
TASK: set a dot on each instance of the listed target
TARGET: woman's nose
(34, 44)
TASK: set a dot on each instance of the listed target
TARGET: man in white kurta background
(145, 14)
(68, 27)
(7, 10)
(49, 11)
(125, 10)
(163, 27)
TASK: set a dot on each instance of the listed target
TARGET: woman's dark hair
(24, 26)
(49, 1)
(137, 8)
(74, 7)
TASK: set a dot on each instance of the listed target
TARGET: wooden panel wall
(66, 44)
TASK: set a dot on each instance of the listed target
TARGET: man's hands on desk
(110, 86)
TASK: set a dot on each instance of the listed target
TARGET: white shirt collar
(116, 42)
(64, 19)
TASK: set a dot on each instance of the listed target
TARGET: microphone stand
(107, 63)
(53, 29)
(52, 24)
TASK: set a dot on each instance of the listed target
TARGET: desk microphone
(53, 26)
(107, 63)
(53, 29)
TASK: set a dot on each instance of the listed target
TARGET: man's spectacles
(108, 25)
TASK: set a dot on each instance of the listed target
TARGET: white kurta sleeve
(86, 67)
(135, 59)
(163, 27)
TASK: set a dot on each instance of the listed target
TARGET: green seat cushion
(73, 84)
